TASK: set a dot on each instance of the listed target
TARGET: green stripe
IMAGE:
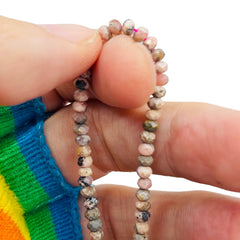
(6, 121)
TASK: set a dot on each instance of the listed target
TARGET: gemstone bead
(142, 227)
(82, 140)
(161, 66)
(85, 172)
(85, 161)
(128, 27)
(159, 92)
(88, 191)
(155, 103)
(81, 129)
(143, 195)
(142, 216)
(81, 83)
(92, 214)
(94, 225)
(86, 75)
(158, 55)
(139, 237)
(144, 183)
(81, 95)
(104, 33)
(150, 126)
(147, 137)
(140, 34)
(90, 203)
(84, 151)
(115, 27)
(146, 149)
(145, 160)
(85, 181)
(79, 117)
(79, 107)
(153, 115)
(143, 206)
(144, 172)
(150, 43)
(96, 235)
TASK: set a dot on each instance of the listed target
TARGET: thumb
(36, 59)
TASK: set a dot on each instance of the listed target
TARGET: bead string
(145, 149)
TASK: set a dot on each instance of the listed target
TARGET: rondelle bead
(144, 172)
(143, 206)
(139, 237)
(153, 115)
(140, 34)
(147, 137)
(85, 172)
(104, 32)
(161, 66)
(79, 107)
(82, 140)
(128, 27)
(145, 160)
(142, 227)
(150, 43)
(85, 181)
(88, 191)
(96, 235)
(158, 55)
(146, 149)
(150, 126)
(115, 27)
(81, 83)
(143, 195)
(81, 95)
(144, 183)
(92, 214)
(90, 203)
(159, 92)
(81, 129)
(79, 117)
(85, 161)
(84, 151)
(142, 216)
(87, 75)
(155, 103)
(94, 225)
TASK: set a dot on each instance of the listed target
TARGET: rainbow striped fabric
(35, 200)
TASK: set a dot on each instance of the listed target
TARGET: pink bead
(146, 149)
(162, 79)
(81, 96)
(150, 43)
(115, 27)
(104, 32)
(144, 183)
(140, 34)
(161, 66)
(79, 106)
(144, 172)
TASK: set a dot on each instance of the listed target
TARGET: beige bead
(104, 33)
(84, 172)
(147, 137)
(96, 235)
(115, 27)
(155, 103)
(139, 237)
(92, 214)
(140, 34)
(142, 227)
(150, 43)
(144, 172)
(84, 151)
(88, 191)
(161, 66)
(159, 92)
(143, 195)
(128, 27)
(158, 55)
(81, 129)
(153, 115)
(79, 106)
(143, 206)
(81, 95)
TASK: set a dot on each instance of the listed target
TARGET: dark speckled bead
(128, 27)
(85, 181)
(142, 216)
(81, 83)
(79, 117)
(150, 126)
(90, 203)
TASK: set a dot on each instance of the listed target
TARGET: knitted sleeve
(35, 200)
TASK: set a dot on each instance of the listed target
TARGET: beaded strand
(145, 149)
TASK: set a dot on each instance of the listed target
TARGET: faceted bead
(115, 27)
(79, 117)
(87, 75)
(153, 115)
(139, 237)
(150, 43)
(155, 103)
(104, 33)
(128, 27)
(84, 151)
(145, 160)
(140, 34)
(81, 83)
(162, 79)
(158, 55)
(85, 172)
(142, 216)
(143, 195)
(144, 172)
(82, 140)
(143, 206)
(94, 225)
(150, 126)
(90, 203)
(147, 137)
(144, 183)
(79, 107)
(85, 161)
(81, 95)
(161, 66)
(92, 214)
(96, 235)
(142, 227)
(88, 191)
(81, 129)
(159, 92)
(85, 181)
(146, 149)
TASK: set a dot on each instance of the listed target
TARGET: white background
(201, 40)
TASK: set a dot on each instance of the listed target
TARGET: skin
(195, 141)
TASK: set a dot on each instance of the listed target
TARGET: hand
(195, 141)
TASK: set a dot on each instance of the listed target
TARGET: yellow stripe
(10, 206)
